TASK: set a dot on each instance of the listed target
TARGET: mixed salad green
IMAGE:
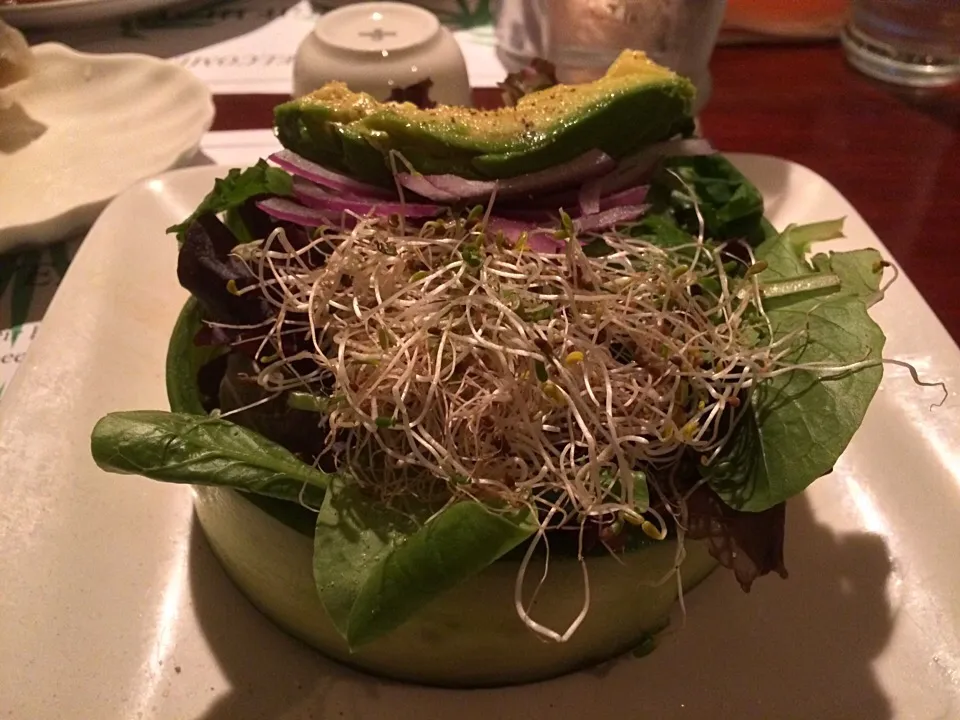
(440, 374)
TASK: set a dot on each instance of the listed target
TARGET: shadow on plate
(185, 27)
(271, 674)
(18, 128)
(801, 648)
(200, 158)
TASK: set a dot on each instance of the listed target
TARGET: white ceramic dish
(74, 12)
(112, 605)
(375, 47)
(102, 122)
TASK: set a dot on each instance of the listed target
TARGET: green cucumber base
(470, 637)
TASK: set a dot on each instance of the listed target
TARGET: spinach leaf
(352, 536)
(638, 479)
(769, 231)
(235, 189)
(731, 206)
(190, 389)
(456, 544)
(796, 425)
(375, 567)
(662, 230)
(184, 448)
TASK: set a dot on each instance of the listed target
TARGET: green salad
(442, 345)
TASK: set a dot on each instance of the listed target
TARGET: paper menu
(28, 281)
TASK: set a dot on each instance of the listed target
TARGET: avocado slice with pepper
(636, 103)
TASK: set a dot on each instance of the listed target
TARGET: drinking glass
(583, 37)
(908, 42)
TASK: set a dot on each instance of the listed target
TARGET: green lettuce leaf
(234, 190)
(796, 426)
(731, 205)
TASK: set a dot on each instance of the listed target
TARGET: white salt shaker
(375, 47)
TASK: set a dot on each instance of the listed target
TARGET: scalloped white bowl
(75, 12)
(110, 120)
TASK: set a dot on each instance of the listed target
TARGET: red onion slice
(541, 239)
(296, 213)
(300, 166)
(630, 196)
(455, 187)
(591, 164)
(548, 210)
(632, 170)
(316, 197)
(608, 218)
(421, 186)
(686, 146)
(589, 197)
(445, 188)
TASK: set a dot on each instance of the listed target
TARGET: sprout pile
(448, 364)
(441, 385)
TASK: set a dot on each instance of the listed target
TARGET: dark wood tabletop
(894, 153)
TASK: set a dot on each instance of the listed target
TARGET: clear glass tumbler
(908, 42)
(582, 37)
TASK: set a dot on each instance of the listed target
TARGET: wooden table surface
(894, 153)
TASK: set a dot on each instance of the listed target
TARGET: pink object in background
(795, 19)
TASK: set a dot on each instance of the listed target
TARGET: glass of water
(583, 37)
(908, 42)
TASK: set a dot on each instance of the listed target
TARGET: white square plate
(112, 606)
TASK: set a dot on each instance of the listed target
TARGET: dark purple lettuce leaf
(206, 268)
(300, 432)
(538, 75)
(250, 222)
(418, 94)
(209, 376)
(749, 543)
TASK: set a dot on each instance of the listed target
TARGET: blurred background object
(907, 42)
(582, 37)
(461, 14)
(29, 14)
(784, 19)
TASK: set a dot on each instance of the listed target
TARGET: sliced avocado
(314, 133)
(636, 103)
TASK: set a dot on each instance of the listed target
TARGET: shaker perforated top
(377, 27)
